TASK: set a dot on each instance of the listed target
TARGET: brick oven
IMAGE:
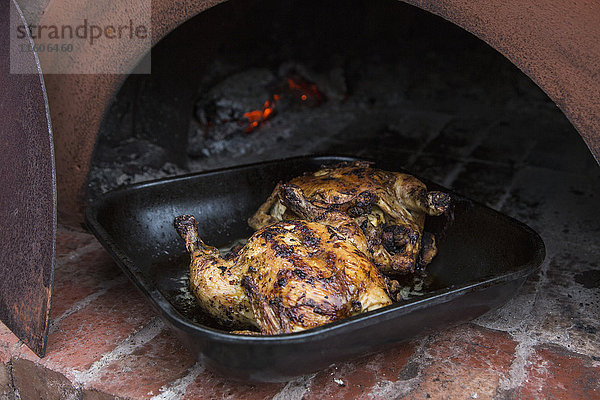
(497, 102)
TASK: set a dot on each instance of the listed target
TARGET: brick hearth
(107, 343)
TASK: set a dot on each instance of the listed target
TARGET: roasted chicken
(390, 207)
(290, 276)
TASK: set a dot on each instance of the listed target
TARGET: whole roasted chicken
(390, 207)
(290, 276)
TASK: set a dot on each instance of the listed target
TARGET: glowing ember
(257, 117)
(297, 88)
(305, 90)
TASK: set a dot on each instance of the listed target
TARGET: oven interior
(382, 80)
(374, 79)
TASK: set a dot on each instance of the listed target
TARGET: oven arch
(553, 42)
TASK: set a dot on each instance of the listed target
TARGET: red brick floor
(106, 342)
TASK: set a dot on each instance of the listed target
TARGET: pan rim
(168, 311)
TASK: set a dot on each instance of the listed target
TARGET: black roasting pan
(484, 257)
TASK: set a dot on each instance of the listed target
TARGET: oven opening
(252, 81)
(246, 82)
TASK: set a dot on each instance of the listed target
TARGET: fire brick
(32, 381)
(362, 378)
(554, 373)
(466, 362)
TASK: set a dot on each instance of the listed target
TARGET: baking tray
(483, 258)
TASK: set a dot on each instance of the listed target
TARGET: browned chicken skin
(290, 276)
(390, 207)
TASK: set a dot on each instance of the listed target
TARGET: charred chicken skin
(290, 276)
(390, 208)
